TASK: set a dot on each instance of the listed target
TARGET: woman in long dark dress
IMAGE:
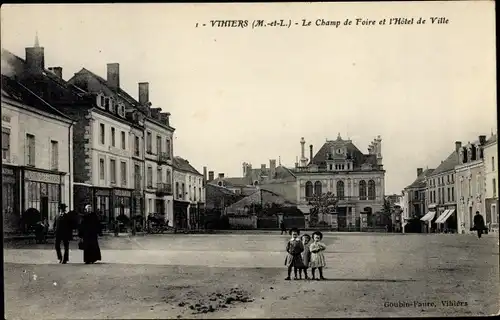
(90, 229)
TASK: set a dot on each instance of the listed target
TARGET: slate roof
(352, 152)
(16, 67)
(184, 165)
(16, 91)
(448, 164)
(420, 181)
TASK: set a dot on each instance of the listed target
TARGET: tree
(322, 203)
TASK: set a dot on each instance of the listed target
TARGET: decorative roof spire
(37, 43)
(339, 137)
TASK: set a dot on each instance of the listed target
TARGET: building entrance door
(342, 218)
(44, 210)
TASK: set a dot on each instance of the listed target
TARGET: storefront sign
(103, 192)
(42, 177)
(123, 193)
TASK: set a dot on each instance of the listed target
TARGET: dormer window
(472, 152)
(121, 110)
(464, 155)
(112, 105)
(100, 101)
(106, 103)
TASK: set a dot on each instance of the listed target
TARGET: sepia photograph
(249, 160)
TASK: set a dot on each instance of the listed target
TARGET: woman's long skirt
(91, 251)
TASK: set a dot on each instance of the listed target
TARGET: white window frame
(111, 173)
(102, 133)
(113, 137)
(123, 140)
(123, 175)
(6, 147)
(102, 173)
(30, 156)
(54, 158)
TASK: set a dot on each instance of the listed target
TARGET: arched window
(340, 190)
(317, 188)
(371, 190)
(362, 190)
(309, 189)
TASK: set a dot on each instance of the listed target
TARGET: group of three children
(301, 255)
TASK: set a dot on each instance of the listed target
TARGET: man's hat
(63, 206)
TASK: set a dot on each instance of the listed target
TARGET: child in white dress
(317, 257)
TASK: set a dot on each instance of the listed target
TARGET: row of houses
(446, 198)
(87, 141)
(356, 179)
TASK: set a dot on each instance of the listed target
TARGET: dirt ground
(231, 276)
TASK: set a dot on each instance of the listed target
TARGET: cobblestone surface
(241, 275)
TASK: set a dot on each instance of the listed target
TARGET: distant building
(441, 194)
(37, 159)
(490, 150)
(189, 194)
(356, 179)
(470, 183)
(414, 199)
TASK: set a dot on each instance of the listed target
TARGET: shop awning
(428, 216)
(442, 218)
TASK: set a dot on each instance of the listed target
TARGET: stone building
(441, 195)
(414, 199)
(470, 183)
(37, 158)
(189, 195)
(356, 179)
(490, 150)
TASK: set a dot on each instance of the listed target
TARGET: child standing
(317, 256)
(306, 255)
(294, 248)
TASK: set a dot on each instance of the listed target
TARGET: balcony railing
(163, 189)
(163, 157)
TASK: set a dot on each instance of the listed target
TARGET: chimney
(143, 93)
(221, 175)
(272, 168)
(263, 167)
(458, 145)
(114, 75)
(482, 140)
(35, 57)
(210, 176)
(302, 151)
(419, 171)
(310, 152)
(165, 118)
(204, 175)
(57, 71)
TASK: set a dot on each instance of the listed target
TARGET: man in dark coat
(479, 224)
(283, 227)
(63, 227)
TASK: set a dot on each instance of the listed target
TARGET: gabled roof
(448, 164)
(183, 165)
(15, 67)
(16, 91)
(420, 181)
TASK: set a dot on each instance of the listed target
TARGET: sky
(248, 95)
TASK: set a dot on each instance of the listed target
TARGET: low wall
(249, 222)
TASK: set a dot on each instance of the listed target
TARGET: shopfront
(122, 200)
(181, 214)
(137, 204)
(102, 203)
(42, 191)
(10, 199)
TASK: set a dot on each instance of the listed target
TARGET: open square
(242, 275)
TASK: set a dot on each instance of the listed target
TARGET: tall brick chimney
(272, 168)
(114, 75)
(35, 57)
(310, 152)
(211, 176)
(419, 171)
(143, 93)
(458, 145)
(204, 175)
(57, 71)
(482, 140)
(221, 175)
